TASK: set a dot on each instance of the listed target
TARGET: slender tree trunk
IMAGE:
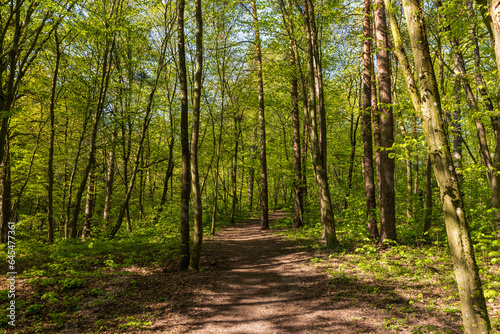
(168, 174)
(50, 162)
(474, 313)
(110, 177)
(186, 164)
(367, 122)
(198, 208)
(352, 139)
(5, 193)
(318, 155)
(264, 197)
(386, 181)
(237, 133)
(218, 143)
(250, 180)
(457, 137)
(428, 196)
(89, 206)
(297, 159)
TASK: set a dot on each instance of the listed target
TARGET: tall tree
(50, 162)
(294, 91)
(186, 154)
(367, 121)
(386, 167)
(317, 129)
(264, 197)
(474, 313)
(198, 208)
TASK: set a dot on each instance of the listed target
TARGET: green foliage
(71, 283)
(34, 308)
(50, 297)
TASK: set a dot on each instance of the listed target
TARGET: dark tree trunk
(198, 208)
(294, 83)
(110, 177)
(352, 139)
(50, 162)
(251, 173)
(5, 193)
(367, 122)
(89, 206)
(237, 134)
(186, 154)
(386, 180)
(264, 197)
(428, 197)
(168, 174)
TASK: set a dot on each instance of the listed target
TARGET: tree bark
(89, 205)
(264, 196)
(474, 313)
(386, 181)
(318, 155)
(297, 158)
(198, 208)
(371, 215)
(110, 177)
(5, 193)
(50, 162)
(237, 134)
(186, 167)
(428, 197)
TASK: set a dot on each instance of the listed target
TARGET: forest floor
(251, 281)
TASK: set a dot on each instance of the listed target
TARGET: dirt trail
(263, 285)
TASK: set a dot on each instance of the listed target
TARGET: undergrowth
(55, 281)
(413, 264)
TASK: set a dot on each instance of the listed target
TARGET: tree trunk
(186, 167)
(50, 162)
(110, 176)
(198, 208)
(297, 159)
(369, 176)
(5, 193)
(264, 197)
(237, 134)
(251, 173)
(457, 137)
(168, 174)
(352, 140)
(89, 206)
(474, 313)
(428, 197)
(386, 181)
(318, 155)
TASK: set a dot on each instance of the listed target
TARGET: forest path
(264, 284)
